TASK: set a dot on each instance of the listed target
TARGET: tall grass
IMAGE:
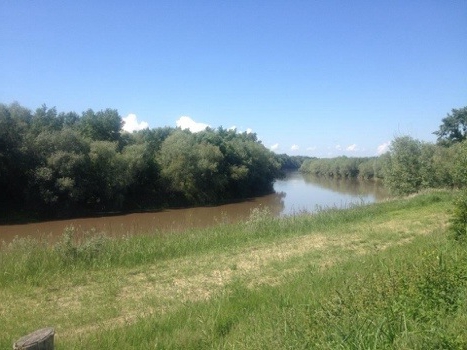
(26, 258)
(403, 295)
(387, 301)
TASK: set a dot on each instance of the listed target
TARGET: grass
(383, 276)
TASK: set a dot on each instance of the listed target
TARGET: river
(294, 194)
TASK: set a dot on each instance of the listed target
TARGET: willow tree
(402, 168)
(453, 128)
(191, 169)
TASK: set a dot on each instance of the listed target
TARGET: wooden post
(42, 339)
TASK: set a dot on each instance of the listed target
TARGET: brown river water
(294, 194)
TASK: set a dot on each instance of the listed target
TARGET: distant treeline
(292, 162)
(65, 163)
(410, 165)
(344, 167)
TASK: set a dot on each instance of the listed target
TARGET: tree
(459, 161)
(454, 127)
(63, 164)
(101, 126)
(191, 168)
(402, 168)
(13, 156)
(252, 165)
(142, 176)
(290, 162)
(58, 177)
(366, 169)
(427, 166)
(107, 178)
(45, 119)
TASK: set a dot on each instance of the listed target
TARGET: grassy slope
(381, 276)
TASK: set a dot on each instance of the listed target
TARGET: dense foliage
(62, 163)
(66, 163)
(458, 224)
(410, 165)
(344, 167)
(454, 127)
(292, 162)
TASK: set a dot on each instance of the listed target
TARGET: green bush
(458, 224)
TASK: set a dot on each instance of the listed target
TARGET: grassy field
(383, 276)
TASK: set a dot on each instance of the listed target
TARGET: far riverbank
(294, 194)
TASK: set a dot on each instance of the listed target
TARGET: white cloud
(383, 148)
(131, 123)
(338, 147)
(352, 148)
(234, 128)
(275, 147)
(185, 122)
(295, 147)
(312, 148)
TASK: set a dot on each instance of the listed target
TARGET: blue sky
(317, 78)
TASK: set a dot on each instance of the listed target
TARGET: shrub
(458, 224)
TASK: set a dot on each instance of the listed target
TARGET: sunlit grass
(377, 276)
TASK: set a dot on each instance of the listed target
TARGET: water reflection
(354, 187)
(295, 193)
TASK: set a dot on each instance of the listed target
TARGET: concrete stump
(42, 339)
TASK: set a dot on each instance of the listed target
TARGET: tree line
(344, 167)
(63, 163)
(410, 165)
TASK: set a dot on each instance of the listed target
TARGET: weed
(259, 219)
(86, 250)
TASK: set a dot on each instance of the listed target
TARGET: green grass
(383, 276)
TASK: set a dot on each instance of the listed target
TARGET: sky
(316, 78)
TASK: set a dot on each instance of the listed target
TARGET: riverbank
(378, 276)
(293, 194)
